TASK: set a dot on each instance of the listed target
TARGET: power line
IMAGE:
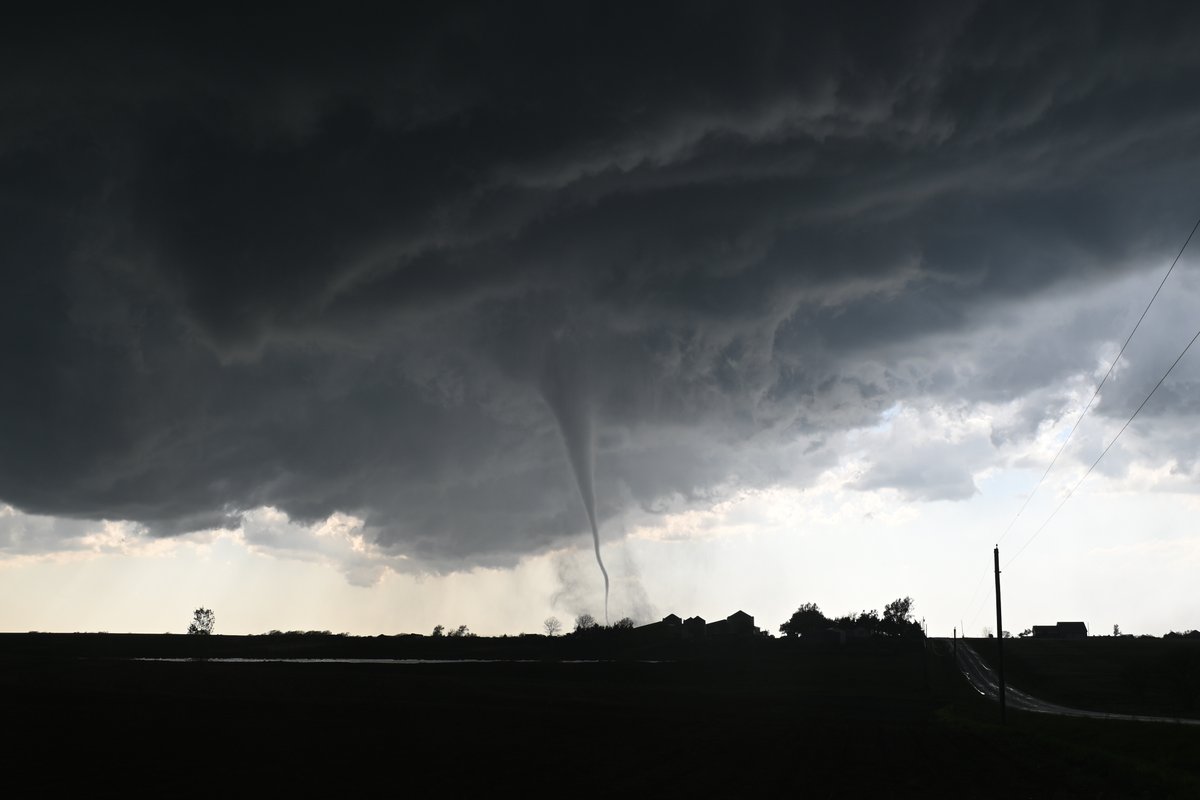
(1106, 449)
(1100, 385)
(1091, 401)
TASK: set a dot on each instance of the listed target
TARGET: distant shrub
(203, 621)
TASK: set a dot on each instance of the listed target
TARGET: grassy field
(881, 721)
(1119, 674)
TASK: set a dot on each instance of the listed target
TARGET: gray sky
(295, 284)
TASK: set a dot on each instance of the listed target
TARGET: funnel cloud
(564, 388)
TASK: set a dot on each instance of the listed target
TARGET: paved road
(984, 681)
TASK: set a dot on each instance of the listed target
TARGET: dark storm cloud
(314, 262)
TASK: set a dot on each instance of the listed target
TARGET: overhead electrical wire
(1100, 385)
(1106, 449)
(1091, 401)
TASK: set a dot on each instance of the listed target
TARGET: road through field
(983, 679)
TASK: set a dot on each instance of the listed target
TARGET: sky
(336, 320)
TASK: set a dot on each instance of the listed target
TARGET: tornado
(563, 387)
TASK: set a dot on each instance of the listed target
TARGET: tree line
(896, 620)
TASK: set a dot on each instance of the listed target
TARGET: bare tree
(552, 626)
(584, 622)
(203, 621)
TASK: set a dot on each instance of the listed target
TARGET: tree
(624, 624)
(462, 631)
(203, 620)
(898, 620)
(552, 626)
(866, 620)
(807, 620)
(898, 610)
(585, 622)
(1025, 633)
(1116, 630)
(438, 630)
(869, 620)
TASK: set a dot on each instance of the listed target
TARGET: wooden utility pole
(999, 635)
(954, 696)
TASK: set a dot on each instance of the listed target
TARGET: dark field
(1124, 675)
(880, 720)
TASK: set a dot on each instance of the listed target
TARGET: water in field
(384, 660)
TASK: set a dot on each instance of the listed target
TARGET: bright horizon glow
(764, 552)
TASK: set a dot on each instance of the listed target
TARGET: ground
(883, 720)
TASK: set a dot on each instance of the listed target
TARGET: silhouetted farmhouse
(737, 624)
(669, 627)
(1061, 630)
